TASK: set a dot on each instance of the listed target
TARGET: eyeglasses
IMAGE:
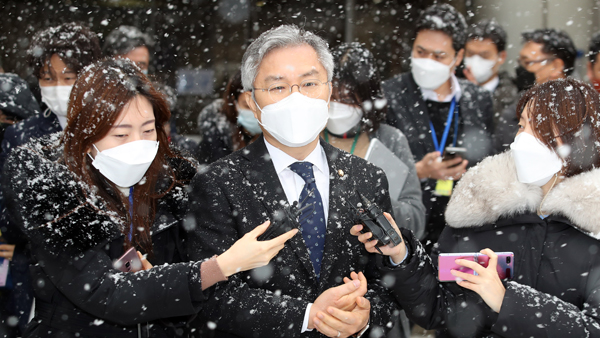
(279, 91)
(527, 64)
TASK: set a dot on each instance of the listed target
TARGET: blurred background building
(199, 43)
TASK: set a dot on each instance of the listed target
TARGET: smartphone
(446, 262)
(129, 262)
(454, 152)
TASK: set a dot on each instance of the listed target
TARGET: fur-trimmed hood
(491, 190)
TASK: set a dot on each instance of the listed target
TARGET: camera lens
(508, 260)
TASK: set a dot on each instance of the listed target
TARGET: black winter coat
(239, 192)
(75, 239)
(555, 291)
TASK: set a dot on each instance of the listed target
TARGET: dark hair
(488, 29)
(556, 43)
(75, 44)
(356, 82)
(567, 110)
(124, 39)
(100, 94)
(230, 97)
(446, 19)
(594, 47)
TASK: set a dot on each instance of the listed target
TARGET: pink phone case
(446, 262)
(129, 262)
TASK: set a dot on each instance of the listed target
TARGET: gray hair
(280, 37)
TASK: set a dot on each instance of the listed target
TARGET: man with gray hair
(318, 282)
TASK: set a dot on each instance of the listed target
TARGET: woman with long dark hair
(539, 201)
(109, 183)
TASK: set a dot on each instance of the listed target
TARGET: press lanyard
(131, 212)
(440, 146)
(353, 143)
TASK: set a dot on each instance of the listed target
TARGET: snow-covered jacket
(75, 239)
(555, 291)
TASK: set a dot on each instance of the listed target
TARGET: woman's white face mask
(535, 163)
(126, 165)
(343, 117)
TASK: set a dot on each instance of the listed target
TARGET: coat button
(341, 173)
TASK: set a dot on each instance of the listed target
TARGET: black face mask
(525, 79)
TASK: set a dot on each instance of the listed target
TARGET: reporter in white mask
(357, 116)
(435, 110)
(56, 55)
(109, 183)
(485, 53)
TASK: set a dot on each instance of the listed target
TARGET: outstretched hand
(397, 252)
(487, 284)
(248, 253)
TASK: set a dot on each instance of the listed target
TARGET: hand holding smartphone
(451, 153)
(447, 262)
(129, 262)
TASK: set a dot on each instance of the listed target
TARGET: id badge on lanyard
(444, 187)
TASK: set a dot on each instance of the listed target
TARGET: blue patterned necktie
(312, 219)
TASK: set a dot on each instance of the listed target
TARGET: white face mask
(343, 117)
(57, 98)
(535, 163)
(296, 120)
(125, 165)
(247, 120)
(428, 73)
(482, 69)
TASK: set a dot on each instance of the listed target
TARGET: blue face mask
(247, 120)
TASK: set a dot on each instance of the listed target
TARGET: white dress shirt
(431, 95)
(292, 183)
(492, 85)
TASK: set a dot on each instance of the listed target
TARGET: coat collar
(491, 190)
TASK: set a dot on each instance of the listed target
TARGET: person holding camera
(109, 183)
(539, 201)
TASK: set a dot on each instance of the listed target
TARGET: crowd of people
(256, 230)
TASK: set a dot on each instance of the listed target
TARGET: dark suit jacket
(239, 192)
